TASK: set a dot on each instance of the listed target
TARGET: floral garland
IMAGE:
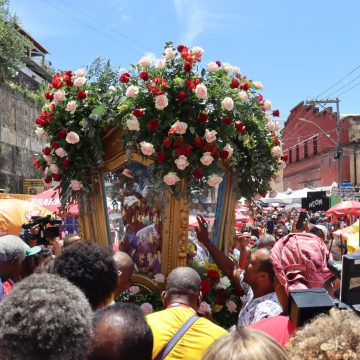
(192, 123)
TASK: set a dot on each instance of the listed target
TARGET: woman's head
(245, 344)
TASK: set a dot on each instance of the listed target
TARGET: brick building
(310, 141)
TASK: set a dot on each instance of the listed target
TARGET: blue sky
(296, 48)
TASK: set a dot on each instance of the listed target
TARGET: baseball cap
(31, 250)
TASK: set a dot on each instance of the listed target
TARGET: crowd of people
(64, 306)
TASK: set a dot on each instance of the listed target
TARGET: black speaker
(350, 279)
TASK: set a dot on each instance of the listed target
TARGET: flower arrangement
(192, 123)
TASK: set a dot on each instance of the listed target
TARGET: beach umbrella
(344, 208)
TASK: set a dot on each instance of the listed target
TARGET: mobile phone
(301, 219)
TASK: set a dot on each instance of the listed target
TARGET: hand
(243, 239)
(202, 232)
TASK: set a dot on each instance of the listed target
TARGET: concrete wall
(18, 142)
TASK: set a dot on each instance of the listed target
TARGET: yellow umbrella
(15, 212)
(351, 234)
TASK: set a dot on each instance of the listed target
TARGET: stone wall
(18, 142)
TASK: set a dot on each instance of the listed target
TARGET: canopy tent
(344, 208)
(15, 212)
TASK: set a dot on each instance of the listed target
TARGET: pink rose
(132, 91)
(231, 306)
(161, 102)
(71, 106)
(181, 162)
(80, 81)
(267, 104)
(76, 185)
(60, 152)
(201, 91)
(159, 278)
(169, 53)
(40, 132)
(147, 148)
(133, 290)
(80, 73)
(48, 159)
(179, 128)
(204, 308)
(170, 178)
(212, 67)
(72, 137)
(207, 159)
(270, 126)
(236, 70)
(59, 96)
(145, 61)
(146, 308)
(243, 96)
(229, 149)
(276, 151)
(133, 124)
(210, 135)
(160, 63)
(197, 50)
(54, 169)
(227, 104)
(214, 180)
(258, 85)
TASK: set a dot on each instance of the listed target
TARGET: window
(290, 156)
(315, 145)
(297, 152)
(306, 151)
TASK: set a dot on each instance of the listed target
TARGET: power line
(355, 78)
(349, 89)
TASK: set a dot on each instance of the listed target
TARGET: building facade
(310, 141)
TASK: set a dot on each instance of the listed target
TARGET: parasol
(344, 208)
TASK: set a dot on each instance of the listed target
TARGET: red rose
(238, 291)
(224, 154)
(81, 95)
(227, 120)
(49, 96)
(124, 78)
(276, 113)
(198, 142)
(203, 117)
(47, 179)
(67, 80)
(205, 286)
(56, 83)
(189, 58)
(144, 75)
(181, 96)
(153, 124)
(65, 164)
(62, 133)
(167, 142)
(276, 140)
(214, 150)
(138, 113)
(46, 151)
(190, 84)
(221, 296)
(180, 48)
(57, 177)
(260, 98)
(36, 164)
(54, 144)
(245, 86)
(180, 151)
(213, 275)
(240, 127)
(197, 173)
(285, 157)
(187, 66)
(218, 63)
(52, 107)
(188, 149)
(177, 143)
(161, 157)
(184, 52)
(234, 83)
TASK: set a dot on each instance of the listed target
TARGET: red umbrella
(345, 208)
(50, 200)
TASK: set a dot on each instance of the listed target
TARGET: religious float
(164, 140)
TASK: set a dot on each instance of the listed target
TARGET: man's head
(320, 231)
(45, 317)
(280, 231)
(266, 241)
(71, 239)
(12, 253)
(121, 332)
(125, 267)
(259, 273)
(92, 268)
(183, 285)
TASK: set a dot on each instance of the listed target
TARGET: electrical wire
(350, 82)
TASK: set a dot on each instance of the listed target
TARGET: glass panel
(134, 225)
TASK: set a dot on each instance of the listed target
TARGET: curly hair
(45, 317)
(91, 267)
(333, 336)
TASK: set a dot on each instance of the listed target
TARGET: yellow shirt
(164, 324)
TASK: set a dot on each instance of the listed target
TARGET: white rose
(267, 104)
(40, 132)
(147, 148)
(207, 159)
(179, 128)
(214, 180)
(145, 61)
(268, 117)
(181, 162)
(112, 88)
(160, 63)
(258, 85)
(170, 178)
(198, 50)
(59, 95)
(276, 151)
(204, 308)
(201, 91)
(231, 306)
(54, 169)
(161, 102)
(133, 124)
(227, 67)
(80, 73)
(270, 126)
(227, 104)
(236, 70)
(169, 53)
(212, 67)
(132, 91)
(224, 283)
(147, 308)
(210, 135)
(243, 96)
(229, 149)
(159, 278)
(71, 107)
(80, 81)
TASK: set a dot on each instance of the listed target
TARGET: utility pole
(338, 153)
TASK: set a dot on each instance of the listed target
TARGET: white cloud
(125, 18)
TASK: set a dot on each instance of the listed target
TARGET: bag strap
(174, 340)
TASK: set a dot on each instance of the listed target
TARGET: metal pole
(338, 145)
